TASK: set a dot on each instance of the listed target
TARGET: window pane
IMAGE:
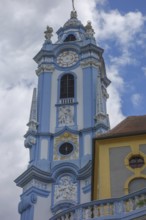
(67, 86)
(136, 162)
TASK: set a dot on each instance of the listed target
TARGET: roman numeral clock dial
(67, 58)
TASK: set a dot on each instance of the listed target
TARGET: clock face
(66, 148)
(67, 58)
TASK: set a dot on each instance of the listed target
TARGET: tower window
(70, 37)
(67, 86)
(136, 161)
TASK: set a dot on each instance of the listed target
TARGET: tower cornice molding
(44, 53)
(92, 47)
(33, 173)
(89, 62)
(45, 68)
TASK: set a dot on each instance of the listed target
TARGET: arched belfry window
(70, 37)
(67, 86)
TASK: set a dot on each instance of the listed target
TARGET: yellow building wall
(101, 170)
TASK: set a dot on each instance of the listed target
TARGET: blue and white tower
(68, 110)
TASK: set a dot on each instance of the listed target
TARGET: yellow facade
(101, 168)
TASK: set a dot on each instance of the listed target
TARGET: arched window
(67, 86)
(70, 37)
(137, 184)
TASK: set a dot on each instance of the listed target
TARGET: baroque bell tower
(68, 109)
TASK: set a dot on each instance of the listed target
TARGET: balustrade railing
(116, 208)
(66, 100)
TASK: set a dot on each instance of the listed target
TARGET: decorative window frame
(59, 87)
(64, 204)
(130, 155)
(136, 171)
(67, 155)
(67, 102)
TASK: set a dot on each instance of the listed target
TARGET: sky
(120, 27)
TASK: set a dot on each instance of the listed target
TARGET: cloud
(144, 70)
(114, 25)
(125, 58)
(14, 113)
(114, 103)
(136, 99)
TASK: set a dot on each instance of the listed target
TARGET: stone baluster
(72, 216)
(85, 213)
(67, 216)
(125, 206)
(112, 208)
(89, 212)
(108, 209)
(118, 207)
(101, 210)
(136, 202)
(78, 214)
(131, 204)
(105, 209)
(128, 206)
(142, 197)
(95, 211)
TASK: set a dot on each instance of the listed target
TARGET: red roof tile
(132, 125)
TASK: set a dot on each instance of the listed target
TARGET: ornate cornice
(89, 62)
(45, 68)
(33, 173)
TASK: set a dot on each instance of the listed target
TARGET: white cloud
(114, 103)
(144, 70)
(125, 58)
(121, 27)
(14, 113)
(136, 99)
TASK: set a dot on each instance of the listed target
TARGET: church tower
(68, 109)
